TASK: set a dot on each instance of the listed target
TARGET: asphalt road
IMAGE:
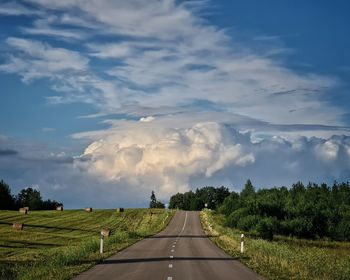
(181, 251)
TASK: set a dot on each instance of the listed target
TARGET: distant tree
(7, 201)
(50, 204)
(230, 204)
(248, 189)
(153, 200)
(31, 198)
(159, 205)
(188, 199)
(154, 203)
(176, 201)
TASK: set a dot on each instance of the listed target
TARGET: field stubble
(58, 245)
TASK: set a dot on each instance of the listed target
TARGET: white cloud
(167, 56)
(327, 151)
(127, 164)
(111, 50)
(15, 9)
(39, 60)
(147, 119)
(147, 156)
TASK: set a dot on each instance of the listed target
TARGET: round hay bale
(59, 208)
(23, 210)
(106, 232)
(119, 210)
(17, 226)
(88, 209)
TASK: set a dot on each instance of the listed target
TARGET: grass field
(283, 258)
(59, 245)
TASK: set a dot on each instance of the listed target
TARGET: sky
(104, 101)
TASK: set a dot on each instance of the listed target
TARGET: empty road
(181, 251)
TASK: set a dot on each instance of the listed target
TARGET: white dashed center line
(170, 266)
(172, 251)
(170, 278)
(171, 257)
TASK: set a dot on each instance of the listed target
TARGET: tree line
(304, 211)
(27, 197)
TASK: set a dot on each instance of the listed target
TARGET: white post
(101, 244)
(242, 243)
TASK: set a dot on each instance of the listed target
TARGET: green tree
(154, 203)
(7, 201)
(31, 198)
(176, 201)
(248, 190)
(230, 204)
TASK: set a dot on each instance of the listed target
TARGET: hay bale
(106, 232)
(119, 210)
(23, 210)
(59, 208)
(88, 209)
(17, 226)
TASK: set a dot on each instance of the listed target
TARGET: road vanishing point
(180, 251)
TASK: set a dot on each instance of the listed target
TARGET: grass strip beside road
(59, 245)
(284, 257)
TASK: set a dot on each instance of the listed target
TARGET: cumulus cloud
(123, 167)
(147, 119)
(165, 160)
(172, 160)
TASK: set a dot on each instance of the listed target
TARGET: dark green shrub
(248, 223)
(266, 227)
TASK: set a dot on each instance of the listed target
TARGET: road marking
(171, 257)
(173, 246)
(170, 266)
(170, 278)
(172, 251)
(183, 228)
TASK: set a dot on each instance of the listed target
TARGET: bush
(248, 223)
(300, 227)
(266, 228)
(342, 231)
(230, 204)
(232, 219)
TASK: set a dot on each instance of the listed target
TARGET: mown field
(283, 258)
(58, 245)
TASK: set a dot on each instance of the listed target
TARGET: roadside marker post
(242, 243)
(101, 243)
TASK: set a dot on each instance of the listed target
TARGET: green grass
(60, 245)
(283, 258)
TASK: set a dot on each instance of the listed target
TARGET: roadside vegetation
(284, 257)
(309, 212)
(61, 244)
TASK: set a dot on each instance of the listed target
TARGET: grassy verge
(283, 258)
(59, 245)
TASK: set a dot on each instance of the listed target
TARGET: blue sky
(103, 101)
